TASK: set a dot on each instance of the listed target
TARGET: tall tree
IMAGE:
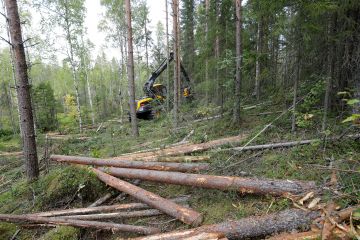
(130, 65)
(188, 22)
(175, 5)
(167, 54)
(238, 62)
(23, 91)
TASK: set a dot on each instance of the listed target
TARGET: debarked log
(78, 223)
(181, 213)
(161, 166)
(183, 158)
(251, 227)
(243, 185)
(103, 209)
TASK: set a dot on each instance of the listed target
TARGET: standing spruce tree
(187, 26)
(23, 91)
(130, 65)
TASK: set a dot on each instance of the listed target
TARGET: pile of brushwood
(170, 166)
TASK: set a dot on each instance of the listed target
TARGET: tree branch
(1, 38)
(2, 14)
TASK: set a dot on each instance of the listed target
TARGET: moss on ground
(7, 230)
(62, 233)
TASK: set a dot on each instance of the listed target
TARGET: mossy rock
(7, 230)
(62, 233)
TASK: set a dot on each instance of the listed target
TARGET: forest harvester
(149, 106)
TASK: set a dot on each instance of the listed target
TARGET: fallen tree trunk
(182, 149)
(181, 213)
(78, 223)
(287, 144)
(314, 234)
(183, 159)
(251, 227)
(101, 200)
(180, 167)
(103, 209)
(243, 185)
(265, 113)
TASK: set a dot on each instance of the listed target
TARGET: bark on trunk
(184, 159)
(104, 209)
(243, 185)
(207, 6)
(180, 167)
(251, 227)
(181, 213)
(183, 149)
(258, 59)
(78, 223)
(167, 54)
(23, 92)
(296, 83)
(130, 66)
(238, 63)
(177, 63)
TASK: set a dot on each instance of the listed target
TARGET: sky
(94, 15)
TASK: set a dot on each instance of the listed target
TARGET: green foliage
(44, 103)
(7, 230)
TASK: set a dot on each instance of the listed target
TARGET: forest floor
(61, 186)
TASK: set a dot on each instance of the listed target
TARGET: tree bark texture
(23, 92)
(181, 213)
(177, 62)
(296, 83)
(258, 58)
(246, 228)
(167, 55)
(130, 66)
(78, 223)
(182, 149)
(162, 166)
(243, 185)
(103, 209)
(237, 101)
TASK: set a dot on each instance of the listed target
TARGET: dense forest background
(306, 49)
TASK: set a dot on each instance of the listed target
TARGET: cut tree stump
(182, 149)
(78, 223)
(103, 209)
(251, 227)
(181, 213)
(243, 185)
(161, 166)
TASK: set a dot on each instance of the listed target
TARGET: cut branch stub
(181, 213)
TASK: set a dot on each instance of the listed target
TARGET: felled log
(182, 149)
(314, 234)
(183, 159)
(9, 154)
(103, 209)
(180, 167)
(101, 200)
(181, 213)
(251, 227)
(78, 223)
(265, 113)
(243, 185)
(287, 144)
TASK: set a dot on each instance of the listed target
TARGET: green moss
(62, 233)
(7, 230)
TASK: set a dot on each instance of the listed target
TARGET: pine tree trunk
(258, 59)
(296, 83)
(238, 63)
(90, 97)
(167, 56)
(130, 65)
(330, 71)
(177, 63)
(23, 92)
(207, 6)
